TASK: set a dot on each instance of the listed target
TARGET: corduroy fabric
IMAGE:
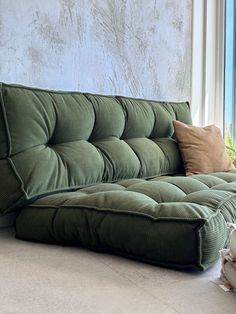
(59, 141)
(104, 172)
(173, 221)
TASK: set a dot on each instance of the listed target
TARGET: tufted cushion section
(105, 172)
(172, 221)
(60, 141)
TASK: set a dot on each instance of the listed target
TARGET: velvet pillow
(203, 149)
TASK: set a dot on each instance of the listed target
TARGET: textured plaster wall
(140, 48)
(131, 47)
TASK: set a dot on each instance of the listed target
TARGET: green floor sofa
(105, 173)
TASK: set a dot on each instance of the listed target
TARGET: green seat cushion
(173, 221)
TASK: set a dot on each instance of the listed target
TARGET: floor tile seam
(143, 289)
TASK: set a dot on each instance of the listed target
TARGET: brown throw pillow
(203, 149)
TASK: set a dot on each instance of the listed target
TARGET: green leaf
(231, 148)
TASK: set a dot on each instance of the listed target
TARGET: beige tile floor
(38, 278)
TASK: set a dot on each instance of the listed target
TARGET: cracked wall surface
(139, 48)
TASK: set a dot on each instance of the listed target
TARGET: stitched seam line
(116, 211)
(18, 177)
(225, 201)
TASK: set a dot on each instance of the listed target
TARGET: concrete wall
(131, 47)
(140, 48)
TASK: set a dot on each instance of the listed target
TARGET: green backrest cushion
(59, 141)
